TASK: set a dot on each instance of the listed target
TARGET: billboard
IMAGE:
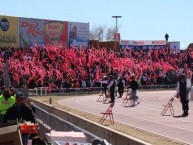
(9, 35)
(143, 44)
(31, 32)
(174, 47)
(78, 34)
(56, 33)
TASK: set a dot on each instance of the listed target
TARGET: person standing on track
(121, 86)
(111, 87)
(104, 84)
(134, 87)
(183, 91)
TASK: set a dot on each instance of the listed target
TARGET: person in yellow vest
(6, 101)
(21, 113)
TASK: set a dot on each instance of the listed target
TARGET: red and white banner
(143, 42)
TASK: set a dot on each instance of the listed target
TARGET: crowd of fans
(55, 68)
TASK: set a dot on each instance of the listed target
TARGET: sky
(140, 19)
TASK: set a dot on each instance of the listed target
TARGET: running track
(145, 116)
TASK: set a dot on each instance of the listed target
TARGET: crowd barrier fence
(46, 91)
(52, 118)
(54, 122)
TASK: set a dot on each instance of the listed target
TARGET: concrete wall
(112, 136)
(109, 45)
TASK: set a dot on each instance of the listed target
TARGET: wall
(112, 136)
(109, 45)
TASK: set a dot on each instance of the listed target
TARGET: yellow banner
(9, 32)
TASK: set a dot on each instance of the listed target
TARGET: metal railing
(45, 91)
(51, 121)
(156, 87)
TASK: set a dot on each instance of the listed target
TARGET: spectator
(13, 92)
(83, 83)
(6, 101)
(37, 140)
(70, 64)
(97, 141)
(2, 90)
(1, 80)
(20, 112)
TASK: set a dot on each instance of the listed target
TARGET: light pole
(116, 17)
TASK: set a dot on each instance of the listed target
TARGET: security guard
(6, 101)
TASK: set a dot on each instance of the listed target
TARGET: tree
(110, 34)
(102, 33)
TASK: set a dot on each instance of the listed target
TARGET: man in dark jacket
(121, 85)
(134, 87)
(20, 112)
(111, 87)
(104, 83)
(183, 92)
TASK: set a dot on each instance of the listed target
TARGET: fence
(45, 91)
(155, 87)
(52, 122)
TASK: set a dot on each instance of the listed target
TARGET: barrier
(46, 91)
(51, 121)
(10, 135)
(59, 119)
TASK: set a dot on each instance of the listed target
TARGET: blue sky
(141, 19)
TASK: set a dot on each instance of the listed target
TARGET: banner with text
(31, 32)
(9, 35)
(143, 44)
(56, 33)
(78, 34)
